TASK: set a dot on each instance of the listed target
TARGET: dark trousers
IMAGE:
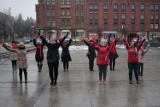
(91, 63)
(140, 68)
(133, 67)
(112, 64)
(53, 67)
(65, 65)
(102, 72)
(14, 65)
(25, 74)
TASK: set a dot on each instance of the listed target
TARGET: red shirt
(132, 56)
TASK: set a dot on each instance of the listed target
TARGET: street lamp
(32, 32)
(123, 30)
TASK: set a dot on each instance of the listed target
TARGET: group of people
(106, 55)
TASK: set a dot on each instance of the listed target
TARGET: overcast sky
(25, 7)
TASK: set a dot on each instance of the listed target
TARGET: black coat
(53, 52)
(91, 50)
(65, 56)
(39, 56)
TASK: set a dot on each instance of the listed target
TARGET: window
(133, 7)
(90, 16)
(96, 15)
(151, 26)
(53, 2)
(96, 6)
(133, 16)
(133, 26)
(152, 7)
(77, 13)
(82, 12)
(123, 6)
(68, 12)
(115, 27)
(156, 26)
(142, 26)
(68, 22)
(115, 6)
(91, 26)
(68, 2)
(82, 23)
(53, 24)
(53, 13)
(142, 7)
(90, 6)
(156, 16)
(115, 16)
(156, 7)
(77, 23)
(48, 2)
(123, 25)
(96, 26)
(63, 23)
(62, 1)
(152, 16)
(105, 16)
(82, 2)
(105, 26)
(48, 23)
(63, 13)
(123, 16)
(77, 2)
(105, 6)
(142, 16)
(48, 13)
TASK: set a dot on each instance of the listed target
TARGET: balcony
(65, 6)
(65, 16)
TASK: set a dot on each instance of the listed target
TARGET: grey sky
(25, 7)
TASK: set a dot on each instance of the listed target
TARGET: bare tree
(6, 25)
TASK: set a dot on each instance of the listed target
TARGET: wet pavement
(79, 87)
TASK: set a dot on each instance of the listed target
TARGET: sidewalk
(79, 87)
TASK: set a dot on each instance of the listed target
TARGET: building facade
(91, 17)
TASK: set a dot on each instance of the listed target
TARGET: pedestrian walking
(113, 52)
(65, 55)
(14, 57)
(22, 58)
(91, 54)
(53, 57)
(102, 59)
(132, 48)
(39, 56)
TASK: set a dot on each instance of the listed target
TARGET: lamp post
(124, 31)
(32, 31)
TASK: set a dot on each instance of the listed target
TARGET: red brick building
(82, 17)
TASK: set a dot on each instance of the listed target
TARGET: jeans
(133, 67)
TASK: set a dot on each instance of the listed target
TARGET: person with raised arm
(53, 56)
(22, 58)
(112, 53)
(39, 56)
(65, 55)
(91, 54)
(132, 48)
(102, 59)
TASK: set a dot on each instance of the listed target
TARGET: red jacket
(132, 53)
(102, 53)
